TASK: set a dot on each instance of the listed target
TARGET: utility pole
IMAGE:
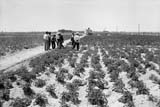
(138, 29)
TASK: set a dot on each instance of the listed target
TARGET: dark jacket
(61, 38)
(53, 38)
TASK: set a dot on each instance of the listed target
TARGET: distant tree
(65, 31)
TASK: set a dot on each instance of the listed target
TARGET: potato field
(108, 71)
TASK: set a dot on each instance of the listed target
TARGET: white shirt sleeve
(76, 38)
(44, 36)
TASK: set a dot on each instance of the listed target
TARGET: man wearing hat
(72, 39)
(60, 40)
(76, 40)
(49, 40)
(53, 41)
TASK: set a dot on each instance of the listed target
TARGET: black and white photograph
(79, 53)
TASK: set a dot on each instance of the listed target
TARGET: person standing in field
(49, 40)
(72, 40)
(60, 40)
(76, 41)
(53, 41)
(46, 41)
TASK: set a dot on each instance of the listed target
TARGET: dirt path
(14, 59)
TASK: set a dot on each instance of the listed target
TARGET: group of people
(56, 40)
(53, 40)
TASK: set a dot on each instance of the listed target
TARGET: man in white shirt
(46, 41)
(76, 40)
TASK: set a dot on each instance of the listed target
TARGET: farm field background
(11, 42)
(116, 70)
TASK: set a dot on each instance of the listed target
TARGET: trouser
(49, 44)
(72, 44)
(59, 44)
(76, 45)
(53, 44)
(46, 45)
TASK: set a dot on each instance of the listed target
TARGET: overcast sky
(42, 15)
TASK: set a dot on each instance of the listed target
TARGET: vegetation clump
(40, 83)
(41, 100)
(51, 90)
(24, 102)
